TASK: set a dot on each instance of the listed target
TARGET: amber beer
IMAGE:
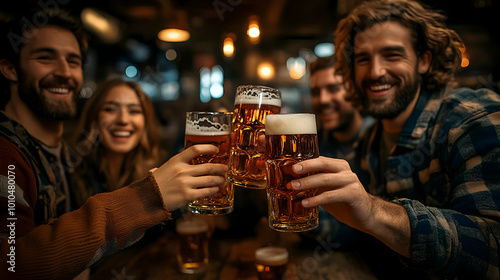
(290, 138)
(271, 263)
(211, 128)
(252, 104)
(192, 253)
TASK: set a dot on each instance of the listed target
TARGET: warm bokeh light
(265, 71)
(173, 35)
(296, 67)
(465, 62)
(228, 48)
(103, 25)
(254, 29)
(465, 57)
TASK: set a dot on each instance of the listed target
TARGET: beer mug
(192, 253)
(211, 128)
(271, 263)
(290, 138)
(252, 104)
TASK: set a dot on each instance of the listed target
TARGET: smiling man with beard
(63, 107)
(425, 183)
(47, 236)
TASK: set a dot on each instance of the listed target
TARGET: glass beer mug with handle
(211, 128)
(252, 104)
(290, 138)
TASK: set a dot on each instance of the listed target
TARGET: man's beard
(41, 105)
(404, 96)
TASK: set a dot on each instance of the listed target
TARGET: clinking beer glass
(290, 138)
(252, 104)
(211, 128)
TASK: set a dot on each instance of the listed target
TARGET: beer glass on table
(211, 128)
(252, 104)
(192, 252)
(290, 138)
(271, 263)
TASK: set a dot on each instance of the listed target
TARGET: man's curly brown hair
(428, 30)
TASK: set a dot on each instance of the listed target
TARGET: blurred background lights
(86, 92)
(216, 82)
(465, 58)
(169, 90)
(211, 83)
(265, 71)
(216, 75)
(296, 67)
(171, 54)
(131, 71)
(216, 90)
(324, 49)
(103, 25)
(228, 47)
(205, 77)
(173, 35)
(254, 29)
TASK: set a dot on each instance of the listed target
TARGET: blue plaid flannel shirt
(445, 171)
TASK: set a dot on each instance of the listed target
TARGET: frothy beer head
(271, 256)
(250, 94)
(191, 226)
(208, 123)
(290, 124)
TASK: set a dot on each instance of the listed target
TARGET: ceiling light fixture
(176, 28)
(173, 35)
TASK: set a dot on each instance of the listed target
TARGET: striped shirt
(445, 171)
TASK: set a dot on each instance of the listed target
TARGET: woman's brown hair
(88, 141)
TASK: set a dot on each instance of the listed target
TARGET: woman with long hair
(117, 137)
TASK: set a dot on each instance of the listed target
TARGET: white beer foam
(204, 127)
(243, 99)
(249, 94)
(271, 255)
(191, 227)
(290, 124)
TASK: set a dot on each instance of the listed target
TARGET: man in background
(340, 125)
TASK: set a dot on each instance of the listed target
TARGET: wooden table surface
(232, 258)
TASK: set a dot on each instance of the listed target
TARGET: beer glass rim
(291, 114)
(268, 88)
(208, 113)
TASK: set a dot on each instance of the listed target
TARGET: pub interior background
(197, 75)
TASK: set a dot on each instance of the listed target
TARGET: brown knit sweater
(106, 223)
